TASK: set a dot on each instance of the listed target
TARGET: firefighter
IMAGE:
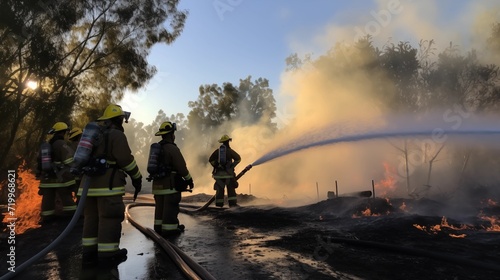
(55, 159)
(224, 160)
(75, 134)
(171, 179)
(74, 137)
(111, 160)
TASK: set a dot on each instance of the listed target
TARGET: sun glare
(32, 84)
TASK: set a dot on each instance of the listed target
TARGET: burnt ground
(332, 239)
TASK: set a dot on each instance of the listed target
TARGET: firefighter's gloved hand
(190, 183)
(137, 183)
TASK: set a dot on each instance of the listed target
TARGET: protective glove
(137, 183)
(190, 183)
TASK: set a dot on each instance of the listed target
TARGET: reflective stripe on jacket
(62, 158)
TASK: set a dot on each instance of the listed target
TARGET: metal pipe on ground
(357, 194)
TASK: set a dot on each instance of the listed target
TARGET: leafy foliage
(83, 55)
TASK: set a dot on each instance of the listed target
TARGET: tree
(83, 55)
(249, 103)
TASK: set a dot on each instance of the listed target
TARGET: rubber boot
(112, 258)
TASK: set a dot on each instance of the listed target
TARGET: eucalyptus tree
(81, 55)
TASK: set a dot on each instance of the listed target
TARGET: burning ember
(388, 184)
(490, 202)
(435, 229)
(403, 206)
(28, 204)
(494, 221)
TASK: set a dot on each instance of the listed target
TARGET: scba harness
(85, 160)
(157, 168)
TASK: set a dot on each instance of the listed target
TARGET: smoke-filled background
(401, 66)
(391, 75)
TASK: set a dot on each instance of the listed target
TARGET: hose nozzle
(245, 170)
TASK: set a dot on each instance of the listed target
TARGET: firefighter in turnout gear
(54, 162)
(224, 160)
(111, 159)
(75, 134)
(170, 177)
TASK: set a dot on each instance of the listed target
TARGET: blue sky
(227, 40)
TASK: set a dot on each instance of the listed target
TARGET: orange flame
(403, 206)
(388, 184)
(490, 202)
(435, 229)
(494, 221)
(28, 203)
(365, 213)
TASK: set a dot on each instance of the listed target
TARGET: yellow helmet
(225, 138)
(112, 111)
(74, 132)
(166, 127)
(58, 126)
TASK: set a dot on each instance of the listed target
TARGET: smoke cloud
(324, 102)
(326, 105)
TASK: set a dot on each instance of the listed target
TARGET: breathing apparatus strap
(113, 166)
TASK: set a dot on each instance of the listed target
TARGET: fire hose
(212, 199)
(56, 242)
(189, 268)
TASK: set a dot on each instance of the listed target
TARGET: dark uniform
(59, 181)
(104, 207)
(167, 189)
(74, 138)
(223, 172)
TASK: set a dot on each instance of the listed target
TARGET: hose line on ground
(56, 242)
(190, 268)
(418, 252)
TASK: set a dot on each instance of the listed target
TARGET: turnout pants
(166, 212)
(219, 185)
(49, 201)
(102, 226)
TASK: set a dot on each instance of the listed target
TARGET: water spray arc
(369, 136)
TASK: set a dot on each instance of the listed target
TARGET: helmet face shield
(166, 127)
(59, 126)
(126, 116)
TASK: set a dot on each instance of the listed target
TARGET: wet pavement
(270, 242)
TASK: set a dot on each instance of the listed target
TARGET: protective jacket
(119, 159)
(224, 171)
(62, 158)
(173, 164)
(104, 207)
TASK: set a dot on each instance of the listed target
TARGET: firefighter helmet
(112, 111)
(58, 126)
(74, 132)
(166, 127)
(225, 138)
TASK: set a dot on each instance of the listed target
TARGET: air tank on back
(46, 155)
(154, 154)
(90, 138)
